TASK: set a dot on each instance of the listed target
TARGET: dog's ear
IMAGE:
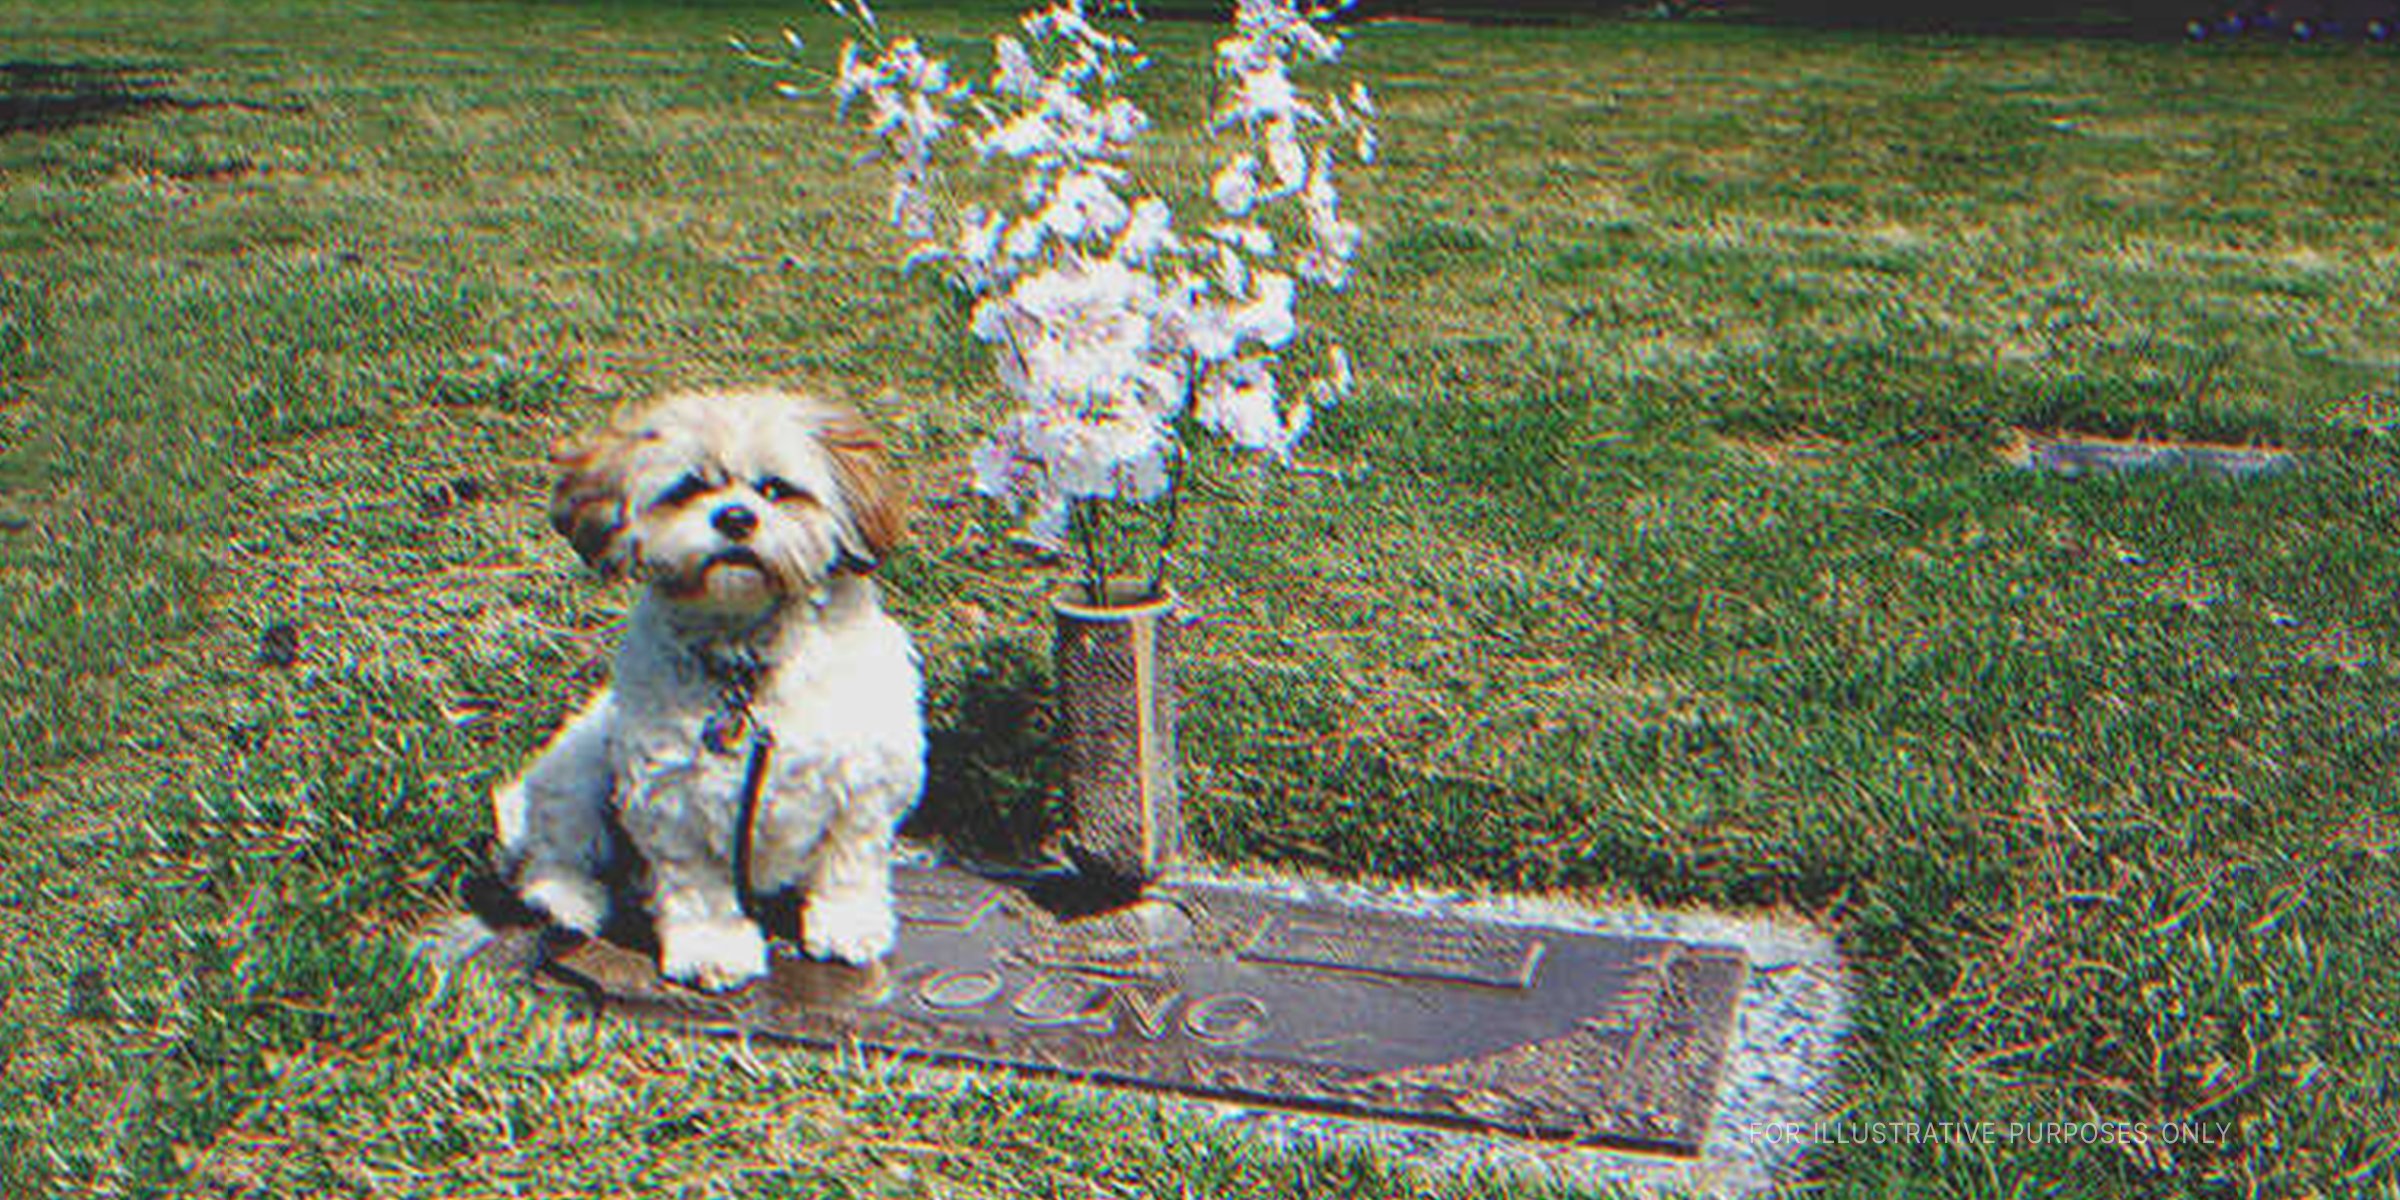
(588, 505)
(875, 507)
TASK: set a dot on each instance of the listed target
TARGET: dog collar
(735, 665)
(736, 676)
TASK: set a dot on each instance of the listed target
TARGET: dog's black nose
(734, 521)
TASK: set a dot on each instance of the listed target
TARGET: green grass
(1663, 554)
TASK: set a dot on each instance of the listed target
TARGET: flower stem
(1095, 575)
(1166, 529)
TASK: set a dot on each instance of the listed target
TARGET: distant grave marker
(2074, 456)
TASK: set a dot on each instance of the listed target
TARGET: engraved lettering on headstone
(945, 901)
(1339, 1041)
(1634, 1009)
(1149, 1008)
(1226, 1019)
(903, 984)
(1054, 998)
(963, 988)
(1399, 946)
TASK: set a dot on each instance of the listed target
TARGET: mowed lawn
(1664, 555)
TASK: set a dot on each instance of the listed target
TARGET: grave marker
(1224, 991)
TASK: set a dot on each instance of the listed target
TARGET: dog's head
(730, 501)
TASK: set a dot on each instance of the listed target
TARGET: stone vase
(1116, 708)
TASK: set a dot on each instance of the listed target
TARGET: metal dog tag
(722, 731)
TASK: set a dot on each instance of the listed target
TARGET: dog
(765, 715)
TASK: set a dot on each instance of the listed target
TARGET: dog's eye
(778, 489)
(684, 490)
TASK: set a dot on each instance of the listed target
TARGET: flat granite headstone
(1220, 990)
(2074, 456)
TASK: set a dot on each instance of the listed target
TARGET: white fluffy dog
(759, 676)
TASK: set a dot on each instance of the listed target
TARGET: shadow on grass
(44, 96)
(991, 761)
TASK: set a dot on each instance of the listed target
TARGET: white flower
(989, 323)
(925, 122)
(1014, 74)
(1358, 118)
(851, 76)
(1051, 517)
(1267, 317)
(1082, 131)
(978, 246)
(1235, 187)
(1208, 333)
(1021, 137)
(1084, 205)
(1252, 238)
(931, 76)
(1285, 154)
(1336, 384)
(1239, 401)
(1122, 122)
(905, 62)
(1062, 126)
(1232, 274)
(1000, 465)
(1264, 92)
(1264, 29)
(1025, 238)
(1149, 232)
(889, 113)
(1052, 455)
(1324, 268)
(1119, 453)
(1335, 241)
(1104, 325)
(1065, 22)
(1078, 333)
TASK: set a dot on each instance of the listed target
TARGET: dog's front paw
(714, 955)
(855, 929)
(572, 902)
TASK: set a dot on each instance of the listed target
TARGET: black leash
(737, 682)
(752, 777)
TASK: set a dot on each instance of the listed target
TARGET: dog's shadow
(992, 769)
